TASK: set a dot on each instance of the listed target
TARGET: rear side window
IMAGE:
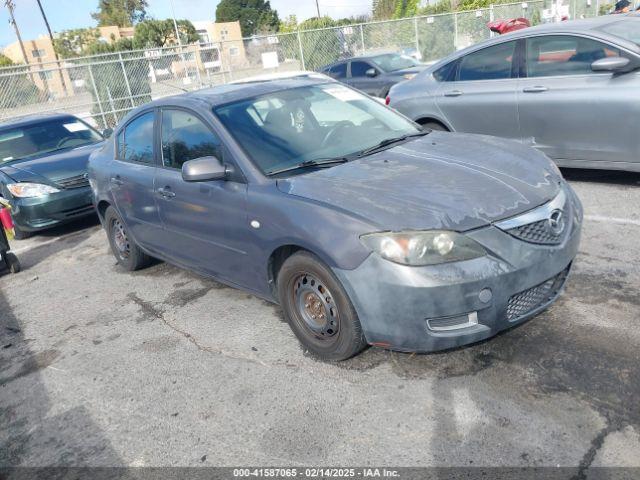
(446, 73)
(135, 142)
(491, 63)
(558, 55)
(338, 71)
(185, 137)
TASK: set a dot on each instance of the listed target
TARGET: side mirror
(202, 169)
(107, 132)
(610, 64)
(371, 73)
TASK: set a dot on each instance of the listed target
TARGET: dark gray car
(570, 89)
(364, 228)
(374, 74)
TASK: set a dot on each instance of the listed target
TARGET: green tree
(255, 16)
(123, 13)
(5, 61)
(288, 25)
(383, 9)
(72, 43)
(162, 33)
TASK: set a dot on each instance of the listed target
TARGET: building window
(223, 34)
(48, 75)
(234, 51)
(39, 53)
(204, 36)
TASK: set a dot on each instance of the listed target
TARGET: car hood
(51, 168)
(440, 181)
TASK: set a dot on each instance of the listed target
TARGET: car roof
(360, 57)
(33, 119)
(588, 26)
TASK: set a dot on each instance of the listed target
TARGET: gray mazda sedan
(570, 89)
(363, 227)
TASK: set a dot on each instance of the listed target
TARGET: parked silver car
(571, 89)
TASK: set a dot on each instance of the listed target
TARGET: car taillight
(387, 100)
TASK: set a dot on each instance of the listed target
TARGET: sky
(66, 14)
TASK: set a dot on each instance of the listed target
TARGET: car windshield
(629, 29)
(44, 137)
(391, 62)
(311, 124)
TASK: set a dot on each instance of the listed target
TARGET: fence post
(95, 90)
(362, 38)
(415, 30)
(126, 79)
(113, 107)
(455, 31)
(301, 52)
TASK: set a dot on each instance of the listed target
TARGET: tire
(127, 253)
(318, 309)
(13, 263)
(20, 234)
(434, 126)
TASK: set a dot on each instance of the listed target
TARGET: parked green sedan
(43, 170)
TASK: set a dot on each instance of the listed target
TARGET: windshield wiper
(310, 163)
(390, 141)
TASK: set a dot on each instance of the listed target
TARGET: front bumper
(39, 213)
(414, 308)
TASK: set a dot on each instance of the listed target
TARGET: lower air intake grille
(524, 302)
(74, 182)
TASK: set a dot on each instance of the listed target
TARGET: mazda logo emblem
(556, 222)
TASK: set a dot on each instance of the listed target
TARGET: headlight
(26, 190)
(409, 76)
(423, 248)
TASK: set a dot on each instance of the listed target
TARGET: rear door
(132, 177)
(205, 223)
(480, 96)
(572, 113)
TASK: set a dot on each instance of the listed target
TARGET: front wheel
(318, 309)
(127, 253)
(13, 263)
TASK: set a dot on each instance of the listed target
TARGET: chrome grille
(524, 302)
(74, 182)
(537, 232)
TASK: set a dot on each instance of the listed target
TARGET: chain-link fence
(103, 88)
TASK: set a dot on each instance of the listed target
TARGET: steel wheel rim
(120, 239)
(316, 309)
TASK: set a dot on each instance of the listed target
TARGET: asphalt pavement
(101, 367)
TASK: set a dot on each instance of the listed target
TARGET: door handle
(536, 89)
(166, 192)
(453, 93)
(117, 180)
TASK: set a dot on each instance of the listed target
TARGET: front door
(131, 180)
(205, 222)
(572, 113)
(481, 98)
(359, 79)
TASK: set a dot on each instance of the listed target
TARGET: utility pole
(10, 6)
(318, 8)
(55, 54)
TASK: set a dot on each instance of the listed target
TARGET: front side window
(309, 124)
(491, 63)
(359, 69)
(45, 137)
(185, 137)
(135, 142)
(556, 55)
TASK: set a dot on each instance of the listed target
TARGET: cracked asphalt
(100, 367)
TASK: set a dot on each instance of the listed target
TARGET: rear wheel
(127, 253)
(13, 263)
(20, 234)
(318, 309)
